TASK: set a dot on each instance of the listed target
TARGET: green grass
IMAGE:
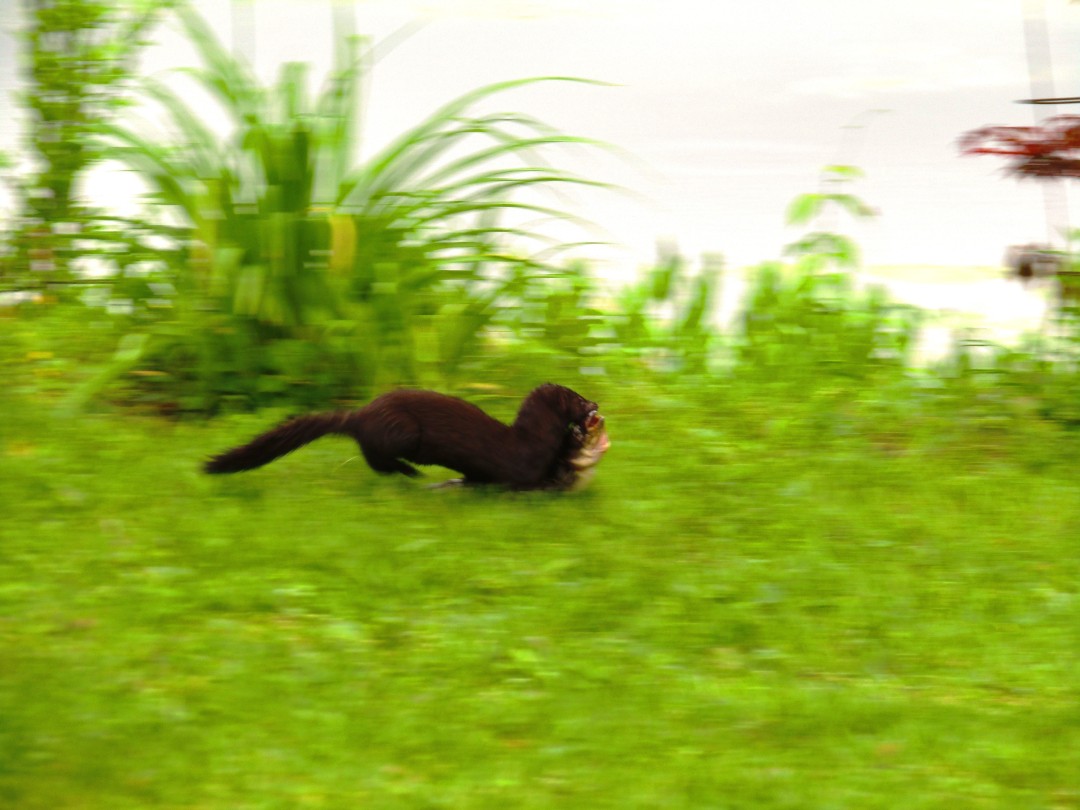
(761, 603)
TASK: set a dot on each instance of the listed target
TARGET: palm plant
(298, 252)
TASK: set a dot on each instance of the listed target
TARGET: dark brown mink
(406, 427)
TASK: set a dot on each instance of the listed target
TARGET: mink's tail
(275, 443)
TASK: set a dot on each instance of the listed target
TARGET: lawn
(761, 603)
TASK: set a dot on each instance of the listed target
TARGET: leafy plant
(79, 56)
(809, 322)
(801, 327)
(664, 317)
(301, 260)
(827, 245)
(1047, 151)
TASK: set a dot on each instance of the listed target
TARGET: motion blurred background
(830, 558)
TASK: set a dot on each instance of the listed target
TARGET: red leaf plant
(1049, 150)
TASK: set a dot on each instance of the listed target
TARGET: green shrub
(309, 277)
(664, 318)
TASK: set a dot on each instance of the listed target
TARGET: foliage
(803, 327)
(828, 247)
(810, 323)
(1038, 379)
(665, 317)
(561, 313)
(307, 270)
(80, 56)
(1039, 376)
(1049, 150)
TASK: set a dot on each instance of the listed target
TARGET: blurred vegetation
(664, 318)
(815, 568)
(79, 58)
(287, 273)
(808, 323)
(310, 278)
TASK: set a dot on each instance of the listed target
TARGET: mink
(557, 434)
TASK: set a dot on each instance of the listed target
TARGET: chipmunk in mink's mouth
(589, 442)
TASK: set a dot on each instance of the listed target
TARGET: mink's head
(584, 436)
(579, 417)
(568, 406)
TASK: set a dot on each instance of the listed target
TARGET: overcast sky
(730, 107)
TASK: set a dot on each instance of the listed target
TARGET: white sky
(732, 106)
